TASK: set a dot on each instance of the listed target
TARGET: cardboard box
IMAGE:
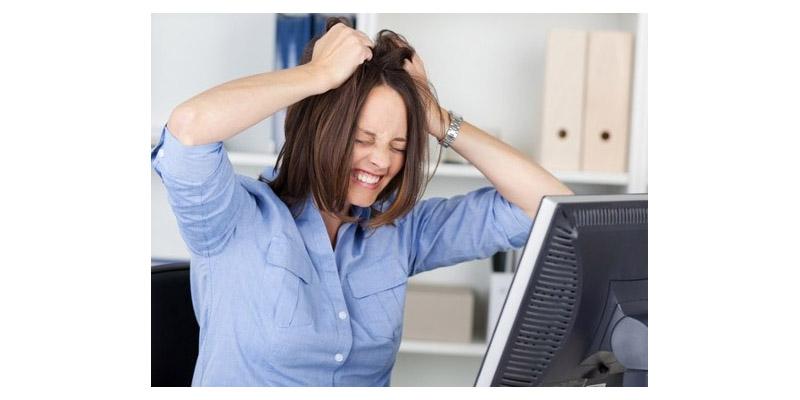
(441, 313)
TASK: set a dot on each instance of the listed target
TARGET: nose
(380, 158)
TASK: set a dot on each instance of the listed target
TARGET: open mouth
(365, 179)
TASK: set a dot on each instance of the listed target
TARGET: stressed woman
(300, 279)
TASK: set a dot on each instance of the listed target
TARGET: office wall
(194, 52)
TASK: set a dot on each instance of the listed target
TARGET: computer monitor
(576, 311)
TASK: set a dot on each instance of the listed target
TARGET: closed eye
(369, 142)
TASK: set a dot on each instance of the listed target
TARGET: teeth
(369, 179)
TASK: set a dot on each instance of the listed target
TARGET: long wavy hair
(320, 133)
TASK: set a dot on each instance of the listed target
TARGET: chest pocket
(379, 293)
(293, 269)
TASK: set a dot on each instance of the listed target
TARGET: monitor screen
(576, 310)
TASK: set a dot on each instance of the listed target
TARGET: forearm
(228, 109)
(517, 178)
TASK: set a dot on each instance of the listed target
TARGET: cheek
(397, 164)
(358, 153)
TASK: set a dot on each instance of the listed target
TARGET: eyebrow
(397, 139)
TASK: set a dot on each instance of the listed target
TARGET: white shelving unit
(452, 170)
(252, 159)
(475, 349)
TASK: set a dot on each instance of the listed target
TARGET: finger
(368, 53)
(413, 68)
(365, 40)
(419, 64)
(417, 60)
(337, 26)
(408, 66)
(399, 43)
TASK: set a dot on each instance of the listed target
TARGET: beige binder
(607, 113)
(562, 103)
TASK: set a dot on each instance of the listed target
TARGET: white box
(499, 283)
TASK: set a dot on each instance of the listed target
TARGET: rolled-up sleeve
(467, 227)
(202, 191)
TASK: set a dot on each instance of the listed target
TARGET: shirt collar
(362, 213)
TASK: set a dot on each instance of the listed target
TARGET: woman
(300, 280)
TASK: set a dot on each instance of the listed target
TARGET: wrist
(453, 129)
(443, 124)
(320, 79)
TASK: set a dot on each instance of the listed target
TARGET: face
(380, 147)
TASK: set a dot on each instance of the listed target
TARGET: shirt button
(342, 315)
(339, 358)
(161, 153)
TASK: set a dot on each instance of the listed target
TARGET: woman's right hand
(339, 52)
(226, 110)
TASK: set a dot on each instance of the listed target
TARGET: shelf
(450, 170)
(252, 159)
(596, 178)
(457, 170)
(475, 349)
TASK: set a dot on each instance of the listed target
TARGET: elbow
(565, 191)
(561, 190)
(181, 124)
(557, 190)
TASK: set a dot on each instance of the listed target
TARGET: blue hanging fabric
(293, 33)
(319, 23)
(320, 19)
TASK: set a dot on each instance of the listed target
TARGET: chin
(362, 202)
(362, 198)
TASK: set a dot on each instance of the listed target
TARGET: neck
(332, 224)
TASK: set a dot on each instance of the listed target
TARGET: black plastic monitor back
(576, 311)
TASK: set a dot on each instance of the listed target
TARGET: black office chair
(174, 330)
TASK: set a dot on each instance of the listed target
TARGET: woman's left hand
(504, 166)
(437, 116)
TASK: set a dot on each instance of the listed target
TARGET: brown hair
(320, 132)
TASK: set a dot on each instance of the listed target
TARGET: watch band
(452, 131)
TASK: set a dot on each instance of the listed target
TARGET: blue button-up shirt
(276, 305)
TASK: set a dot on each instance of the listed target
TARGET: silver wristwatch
(452, 131)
